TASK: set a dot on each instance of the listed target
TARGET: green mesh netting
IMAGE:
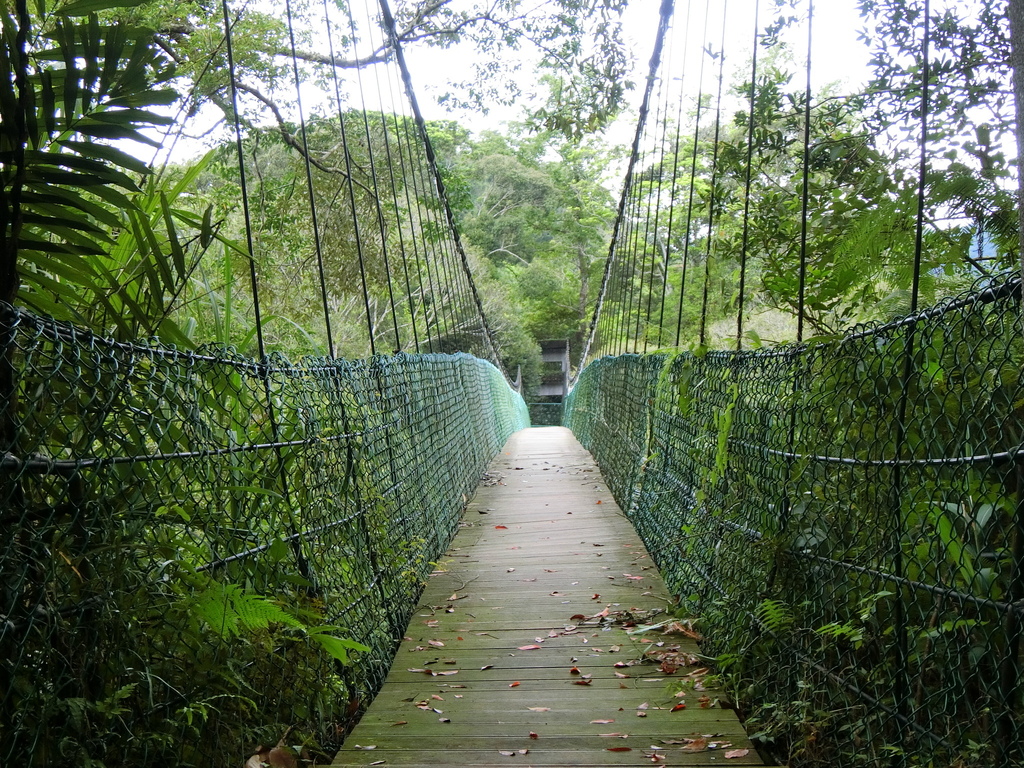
(195, 542)
(847, 519)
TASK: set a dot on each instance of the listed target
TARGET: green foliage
(836, 584)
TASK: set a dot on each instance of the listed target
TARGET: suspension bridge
(728, 553)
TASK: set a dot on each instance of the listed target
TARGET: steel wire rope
(662, 97)
(628, 268)
(642, 222)
(350, 183)
(408, 205)
(902, 683)
(665, 14)
(675, 170)
(389, 22)
(264, 375)
(372, 162)
(394, 195)
(636, 221)
(429, 242)
(805, 184)
(693, 172)
(309, 181)
(745, 240)
(709, 249)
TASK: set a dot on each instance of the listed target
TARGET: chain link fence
(847, 519)
(202, 554)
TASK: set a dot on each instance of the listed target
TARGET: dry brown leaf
(436, 643)
(601, 722)
(696, 745)
(533, 735)
(529, 647)
(513, 685)
(539, 709)
(736, 753)
(399, 722)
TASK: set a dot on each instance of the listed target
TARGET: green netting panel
(846, 518)
(191, 541)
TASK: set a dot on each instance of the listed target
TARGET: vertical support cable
(675, 175)
(309, 182)
(264, 373)
(389, 25)
(714, 182)
(377, 206)
(902, 687)
(350, 183)
(665, 14)
(746, 184)
(693, 176)
(805, 191)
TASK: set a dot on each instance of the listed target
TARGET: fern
(774, 615)
(227, 610)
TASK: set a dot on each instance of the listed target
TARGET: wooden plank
(497, 648)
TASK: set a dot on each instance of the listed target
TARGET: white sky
(837, 56)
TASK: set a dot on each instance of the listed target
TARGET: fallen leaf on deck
(486, 666)
(533, 735)
(582, 682)
(455, 596)
(378, 762)
(529, 647)
(615, 649)
(550, 570)
(447, 673)
(596, 596)
(432, 623)
(552, 633)
(619, 749)
(435, 697)
(642, 706)
(598, 501)
(506, 753)
(444, 719)
(510, 570)
(601, 722)
(436, 643)
(574, 671)
(620, 664)
(513, 685)
(501, 527)
(668, 667)
(400, 722)
(736, 753)
(614, 735)
(696, 745)
(368, 746)
(577, 617)
(621, 675)
(705, 702)
(539, 709)
(523, 751)
(678, 707)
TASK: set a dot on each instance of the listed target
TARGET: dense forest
(161, 251)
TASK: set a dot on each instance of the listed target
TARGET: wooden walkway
(520, 653)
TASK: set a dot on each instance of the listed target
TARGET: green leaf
(85, 7)
(336, 646)
(108, 154)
